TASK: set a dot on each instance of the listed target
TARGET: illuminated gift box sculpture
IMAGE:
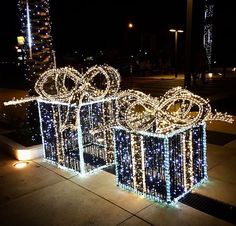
(160, 144)
(76, 112)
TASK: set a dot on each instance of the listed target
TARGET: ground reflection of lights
(20, 165)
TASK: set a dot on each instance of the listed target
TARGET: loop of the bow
(178, 108)
(67, 84)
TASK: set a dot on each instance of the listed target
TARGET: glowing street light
(130, 25)
(176, 47)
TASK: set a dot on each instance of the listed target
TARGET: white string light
(178, 108)
(160, 143)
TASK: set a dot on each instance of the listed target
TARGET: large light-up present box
(75, 122)
(161, 167)
(77, 147)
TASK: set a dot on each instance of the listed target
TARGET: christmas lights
(168, 168)
(72, 112)
(159, 143)
(37, 50)
(36, 28)
(178, 108)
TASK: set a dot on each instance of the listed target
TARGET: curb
(19, 151)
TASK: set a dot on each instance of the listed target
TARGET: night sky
(87, 25)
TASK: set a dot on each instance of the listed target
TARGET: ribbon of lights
(160, 143)
(71, 106)
(178, 108)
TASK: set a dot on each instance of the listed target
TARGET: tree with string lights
(35, 27)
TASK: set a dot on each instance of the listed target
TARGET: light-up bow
(178, 108)
(68, 85)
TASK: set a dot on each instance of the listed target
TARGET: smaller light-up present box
(160, 143)
(161, 167)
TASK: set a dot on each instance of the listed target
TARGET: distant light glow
(20, 165)
(210, 75)
(174, 30)
(130, 25)
(24, 154)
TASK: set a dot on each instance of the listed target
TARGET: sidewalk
(42, 194)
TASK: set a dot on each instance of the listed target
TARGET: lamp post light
(176, 48)
(130, 40)
(189, 15)
(130, 25)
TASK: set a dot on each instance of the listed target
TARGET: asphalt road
(220, 91)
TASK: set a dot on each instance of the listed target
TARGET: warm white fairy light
(170, 166)
(190, 156)
(35, 25)
(70, 106)
(174, 125)
(184, 161)
(143, 165)
(134, 167)
(167, 169)
(160, 143)
(172, 111)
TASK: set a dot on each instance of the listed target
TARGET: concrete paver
(42, 194)
(104, 185)
(15, 182)
(231, 144)
(63, 203)
(222, 126)
(134, 221)
(61, 172)
(225, 171)
(180, 215)
(216, 155)
(218, 190)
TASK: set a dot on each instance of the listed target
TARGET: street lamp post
(187, 76)
(176, 48)
(131, 28)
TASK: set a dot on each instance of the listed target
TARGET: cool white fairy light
(173, 125)
(139, 112)
(70, 106)
(29, 30)
(160, 143)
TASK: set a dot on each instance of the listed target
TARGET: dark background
(87, 26)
